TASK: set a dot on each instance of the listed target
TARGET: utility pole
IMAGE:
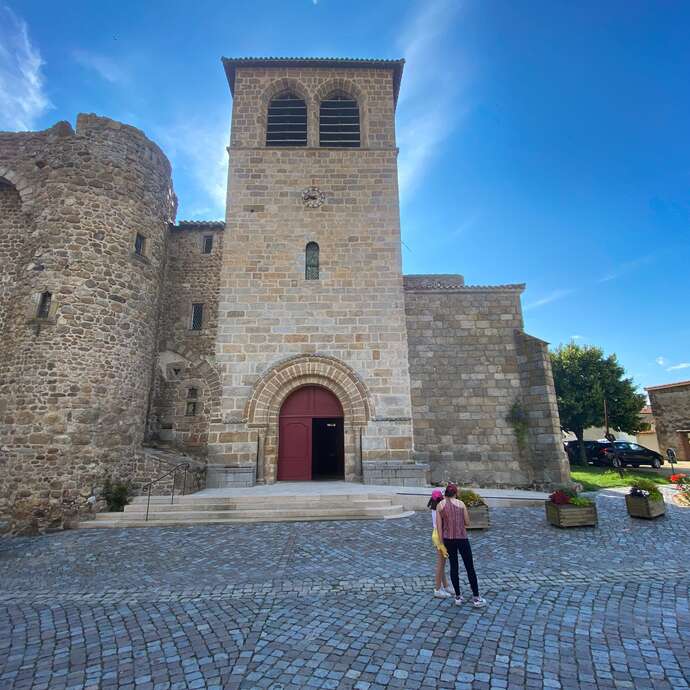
(606, 419)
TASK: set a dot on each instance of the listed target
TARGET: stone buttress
(472, 369)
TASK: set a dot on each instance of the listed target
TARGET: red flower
(560, 498)
(675, 478)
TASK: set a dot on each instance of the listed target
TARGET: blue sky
(544, 142)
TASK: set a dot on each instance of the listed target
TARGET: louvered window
(207, 244)
(311, 271)
(287, 121)
(339, 121)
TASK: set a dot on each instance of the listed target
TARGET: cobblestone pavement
(348, 605)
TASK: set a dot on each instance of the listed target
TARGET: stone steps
(263, 501)
(187, 510)
(234, 506)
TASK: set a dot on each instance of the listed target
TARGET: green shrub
(580, 501)
(517, 418)
(640, 487)
(116, 494)
(470, 499)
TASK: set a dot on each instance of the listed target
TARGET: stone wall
(186, 361)
(466, 373)
(15, 231)
(354, 312)
(544, 454)
(75, 385)
(671, 410)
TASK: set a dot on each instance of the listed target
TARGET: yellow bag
(438, 543)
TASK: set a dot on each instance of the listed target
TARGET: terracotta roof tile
(215, 224)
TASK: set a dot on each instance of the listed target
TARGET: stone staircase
(199, 510)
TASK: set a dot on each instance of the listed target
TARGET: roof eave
(231, 64)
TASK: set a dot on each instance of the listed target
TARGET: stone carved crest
(313, 197)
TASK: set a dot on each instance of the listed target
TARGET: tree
(584, 378)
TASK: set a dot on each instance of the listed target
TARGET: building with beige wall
(282, 343)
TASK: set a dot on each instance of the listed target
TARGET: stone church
(281, 344)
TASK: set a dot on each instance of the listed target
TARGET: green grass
(596, 478)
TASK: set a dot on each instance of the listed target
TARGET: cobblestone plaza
(348, 605)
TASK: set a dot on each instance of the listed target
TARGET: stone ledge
(394, 473)
(219, 477)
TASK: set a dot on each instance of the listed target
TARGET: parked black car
(633, 454)
(594, 451)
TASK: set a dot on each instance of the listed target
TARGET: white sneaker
(441, 593)
(459, 600)
(450, 590)
(478, 602)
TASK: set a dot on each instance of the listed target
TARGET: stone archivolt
(263, 408)
(275, 385)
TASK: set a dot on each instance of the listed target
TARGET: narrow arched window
(44, 302)
(192, 402)
(287, 121)
(339, 121)
(311, 271)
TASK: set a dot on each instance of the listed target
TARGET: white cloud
(551, 297)
(465, 226)
(107, 68)
(21, 80)
(426, 109)
(199, 148)
(577, 337)
(682, 365)
(661, 361)
(624, 267)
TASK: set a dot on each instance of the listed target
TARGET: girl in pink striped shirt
(452, 520)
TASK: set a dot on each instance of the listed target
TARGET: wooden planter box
(571, 516)
(640, 507)
(479, 517)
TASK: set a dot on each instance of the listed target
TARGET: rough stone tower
(311, 292)
(82, 241)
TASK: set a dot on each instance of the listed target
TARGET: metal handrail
(165, 462)
(182, 466)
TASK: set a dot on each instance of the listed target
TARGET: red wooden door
(295, 429)
(294, 463)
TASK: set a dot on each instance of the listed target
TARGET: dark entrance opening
(327, 449)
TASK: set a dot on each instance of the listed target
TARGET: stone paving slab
(348, 605)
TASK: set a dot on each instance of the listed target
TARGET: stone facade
(76, 378)
(671, 410)
(354, 312)
(186, 374)
(103, 355)
(470, 363)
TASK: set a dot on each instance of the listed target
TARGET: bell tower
(311, 284)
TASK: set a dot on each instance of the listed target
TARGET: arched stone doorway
(311, 436)
(284, 378)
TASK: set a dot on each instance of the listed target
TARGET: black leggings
(463, 546)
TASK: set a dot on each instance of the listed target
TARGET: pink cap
(436, 494)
